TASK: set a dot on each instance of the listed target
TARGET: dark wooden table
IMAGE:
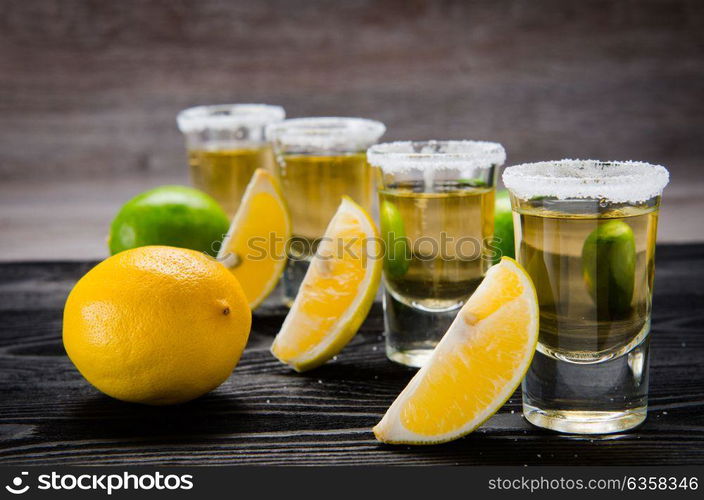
(266, 414)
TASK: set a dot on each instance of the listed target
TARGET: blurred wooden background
(89, 90)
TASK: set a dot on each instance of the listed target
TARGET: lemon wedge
(254, 249)
(336, 293)
(475, 368)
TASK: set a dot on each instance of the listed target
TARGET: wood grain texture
(90, 89)
(266, 414)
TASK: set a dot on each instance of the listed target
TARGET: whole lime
(176, 216)
(608, 266)
(503, 226)
(397, 255)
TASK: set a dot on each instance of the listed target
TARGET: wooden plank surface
(266, 414)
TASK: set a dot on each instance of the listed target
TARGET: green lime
(471, 183)
(608, 266)
(503, 226)
(397, 255)
(177, 216)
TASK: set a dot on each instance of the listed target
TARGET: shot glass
(226, 145)
(318, 160)
(585, 231)
(436, 211)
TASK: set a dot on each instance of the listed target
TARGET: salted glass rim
(429, 154)
(326, 133)
(228, 116)
(615, 181)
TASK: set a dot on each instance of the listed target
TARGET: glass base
(596, 398)
(585, 422)
(415, 358)
(412, 333)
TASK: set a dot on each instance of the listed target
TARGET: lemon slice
(336, 293)
(476, 366)
(254, 249)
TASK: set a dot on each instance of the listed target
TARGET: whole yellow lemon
(156, 325)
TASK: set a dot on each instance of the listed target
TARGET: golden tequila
(436, 212)
(226, 144)
(585, 233)
(314, 186)
(225, 173)
(593, 274)
(441, 241)
(318, 160)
